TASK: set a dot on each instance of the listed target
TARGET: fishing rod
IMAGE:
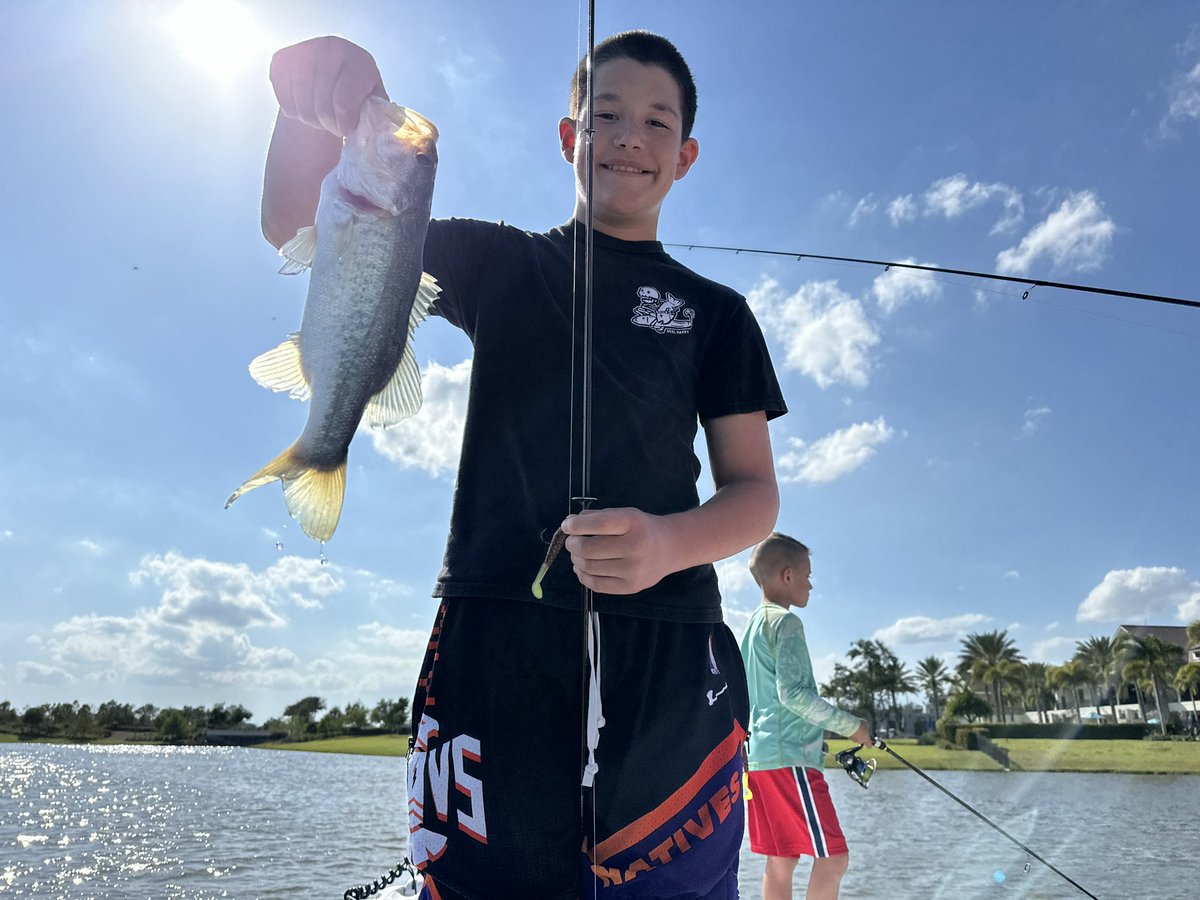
(860, 771)
(1028, 283)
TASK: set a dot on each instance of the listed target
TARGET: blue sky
(960, 459)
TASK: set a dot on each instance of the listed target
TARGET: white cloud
(1012, 575)
(897, 286)
(1076, 236)
(1147, 592)
(734, 578)
(200, 630)
(902, 209)
(825, 332)
(30, 672)
(823, 666)
(954, 196)
(1185, 96)
(864, 208)
(1034, 419)
(1055, 650)
(737, 618)
(6, 534)
(834, 455)
(375, 660)
(919, 629)
(431, 439)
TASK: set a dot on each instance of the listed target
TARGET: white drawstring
(595, 713)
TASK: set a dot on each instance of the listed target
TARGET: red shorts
(791, 814)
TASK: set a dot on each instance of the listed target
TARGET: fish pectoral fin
(313, 496)
(280, 369)
(300, 251)
(401, 396)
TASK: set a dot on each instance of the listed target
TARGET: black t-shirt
(669, 348)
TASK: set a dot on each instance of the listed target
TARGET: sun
(220, 37)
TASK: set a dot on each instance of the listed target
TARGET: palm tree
(869, 669)
(1102, 656)
(1187, 679)
(895, 679)
(1071, 676)
(1036, 685)
(932, 674)
(981, 656)
(1155, 662)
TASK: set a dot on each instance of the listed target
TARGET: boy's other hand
(617, 551)
(323, 82)
(863, 735)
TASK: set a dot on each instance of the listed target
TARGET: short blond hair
(776, 552)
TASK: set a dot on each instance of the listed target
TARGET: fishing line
(593, 718)
(1028, 283)
(856, 768)
(1011, 294)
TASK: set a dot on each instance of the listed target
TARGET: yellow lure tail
(556, 545)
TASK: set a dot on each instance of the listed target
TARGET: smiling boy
(500, 706)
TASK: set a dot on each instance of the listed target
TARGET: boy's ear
(687, 156)
(566, 138)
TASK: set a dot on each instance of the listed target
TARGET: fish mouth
(359, 202)
(411, 125)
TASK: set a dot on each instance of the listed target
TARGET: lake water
(209, 822)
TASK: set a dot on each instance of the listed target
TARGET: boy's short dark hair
(774, 553)
(644, 47)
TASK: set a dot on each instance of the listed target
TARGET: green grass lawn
(6, 738)
(372, 745)
(1045, 755)
(1033, 755)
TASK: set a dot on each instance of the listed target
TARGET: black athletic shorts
(495, 804)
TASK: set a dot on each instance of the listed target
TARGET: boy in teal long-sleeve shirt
(790, 812)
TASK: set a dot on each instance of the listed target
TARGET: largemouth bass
(367, 293)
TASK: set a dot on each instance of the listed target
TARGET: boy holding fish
(500, 703)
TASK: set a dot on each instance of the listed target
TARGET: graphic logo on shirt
(662, 314)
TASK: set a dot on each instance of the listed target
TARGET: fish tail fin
(313, 496)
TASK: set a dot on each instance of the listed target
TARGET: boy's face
(801, 581)
(639, 150)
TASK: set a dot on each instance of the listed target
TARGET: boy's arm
(320, 84)
(623, 551)
(797, 688)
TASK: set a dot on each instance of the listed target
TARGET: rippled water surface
(157, 822)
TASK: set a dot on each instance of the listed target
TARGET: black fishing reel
(860, 770)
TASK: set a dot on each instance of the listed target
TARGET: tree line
(992, 679)
(300, 720)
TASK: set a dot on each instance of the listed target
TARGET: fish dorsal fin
(300, 251)
(401, 396)
(279, 369)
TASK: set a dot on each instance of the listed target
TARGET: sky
(960, 459)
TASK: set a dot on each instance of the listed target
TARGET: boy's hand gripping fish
(366, 296)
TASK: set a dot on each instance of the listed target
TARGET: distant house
(1169, 634)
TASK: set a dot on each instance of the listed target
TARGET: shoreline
(1026, 755)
